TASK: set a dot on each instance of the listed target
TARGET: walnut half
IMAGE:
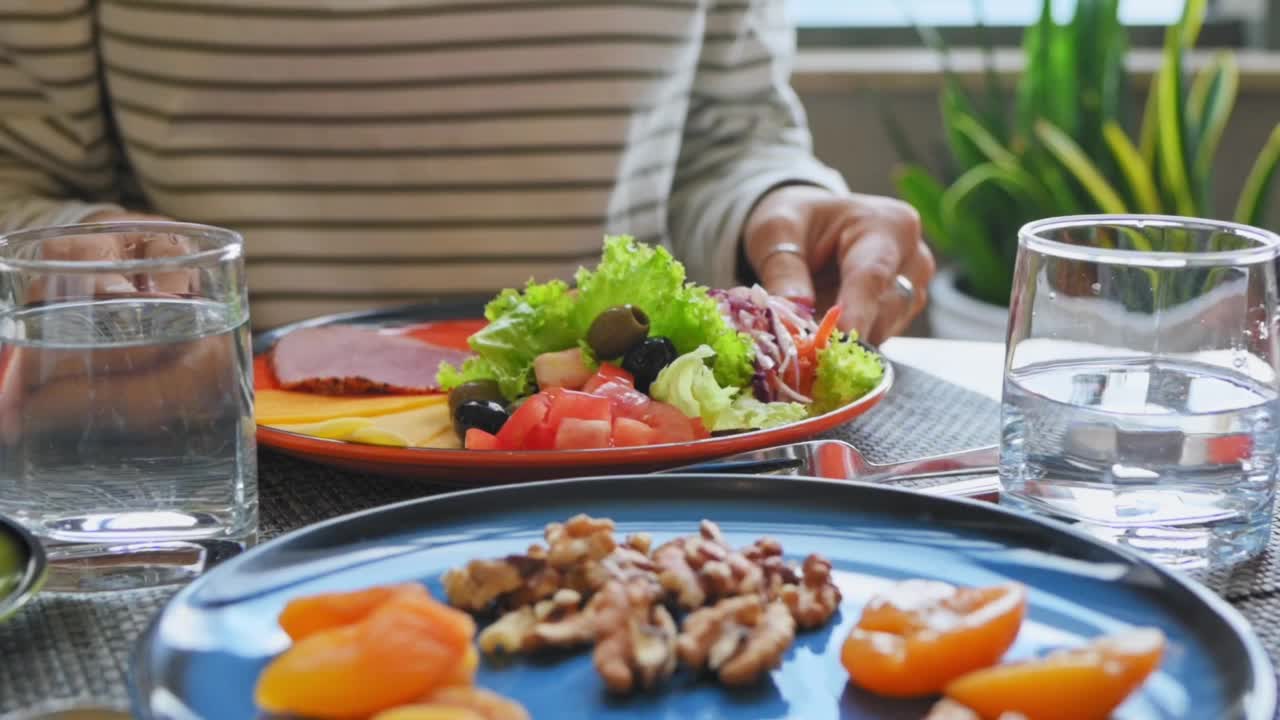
(816, 598)
(555, 622)
(636, 645)
(702, 569)
(740, 639)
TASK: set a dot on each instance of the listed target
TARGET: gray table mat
(76, 648)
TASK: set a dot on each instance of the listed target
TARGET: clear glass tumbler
(1140, 386)
(126, 400)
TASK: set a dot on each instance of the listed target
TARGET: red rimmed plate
(450, 325)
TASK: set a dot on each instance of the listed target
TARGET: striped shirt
(381, 151)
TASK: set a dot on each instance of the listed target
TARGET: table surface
(976, 366)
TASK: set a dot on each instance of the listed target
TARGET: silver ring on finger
(789, 248)
(904, 287)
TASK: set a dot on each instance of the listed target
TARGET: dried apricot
(919, 635)
(459, 703)
(406, 647)
(307, 615)
(1096, 678)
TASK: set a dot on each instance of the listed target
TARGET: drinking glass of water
(1140, 386)
(126, 400)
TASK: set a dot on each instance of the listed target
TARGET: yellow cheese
(421, 427)
(412, 428)
(280, 407)
(336, 429)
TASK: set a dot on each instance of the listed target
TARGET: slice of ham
(349, 360)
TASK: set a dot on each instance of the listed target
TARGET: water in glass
(126, 430)
(1141, 383)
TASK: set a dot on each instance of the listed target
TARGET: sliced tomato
(628, 432)
(627, 401)
(607, 372)
(583, 406)
(532, 412)
(668, 423)
(578, 434)
(613, 372)
(478, 439)
(541, 437)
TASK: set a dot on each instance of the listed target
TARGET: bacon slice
(350, 360)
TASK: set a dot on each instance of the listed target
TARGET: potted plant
(1063, 149)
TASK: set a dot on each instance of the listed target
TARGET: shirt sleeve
(745, 133)
(56, 162)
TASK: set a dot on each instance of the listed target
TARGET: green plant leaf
(1013, 183)
(995, 109)
(1213, 97)
(1149, 132)
(1064, 89)
(1252, 207)
(924, 193)
(1174, 167)
(1070, 155)
(1034, 83)
(1137, 173)
(1027, 186)
(1095, 30)
(1192, 20)
(986, 271)
(955, 105)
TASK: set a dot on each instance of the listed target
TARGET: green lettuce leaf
(748, 413)
(651, 279)
(846, 371)
(522, 326)
(691, 386)
(473, 368)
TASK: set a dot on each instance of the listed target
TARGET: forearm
(22, 207)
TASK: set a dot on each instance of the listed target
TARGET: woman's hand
(811, 244)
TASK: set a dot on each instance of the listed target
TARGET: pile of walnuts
(741, 607)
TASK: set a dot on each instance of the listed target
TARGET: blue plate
(203, 653)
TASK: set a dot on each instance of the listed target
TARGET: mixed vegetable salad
(636, 355)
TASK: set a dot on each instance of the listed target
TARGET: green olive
(474, 390)
(617, 330)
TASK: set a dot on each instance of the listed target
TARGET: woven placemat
(64, 647)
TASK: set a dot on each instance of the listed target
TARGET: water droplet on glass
(1053, 295)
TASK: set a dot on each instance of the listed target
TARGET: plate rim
(600, 457)
(1260, 703)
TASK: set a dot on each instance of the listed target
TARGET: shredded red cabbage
(774, 324)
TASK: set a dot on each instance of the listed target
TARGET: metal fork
(839, 460)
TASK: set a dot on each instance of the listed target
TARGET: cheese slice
(412, 428)
(336, 429)
(421, 427)
(280, 407)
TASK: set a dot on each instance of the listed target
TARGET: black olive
(617, 330)
(646, 360)
(473, 390)
(486, 415)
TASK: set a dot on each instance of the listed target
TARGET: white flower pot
(956, 316)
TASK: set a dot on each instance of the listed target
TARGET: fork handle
(966, 462)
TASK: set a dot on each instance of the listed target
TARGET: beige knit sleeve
(56, 164)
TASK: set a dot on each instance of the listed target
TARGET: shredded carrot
(827, 327)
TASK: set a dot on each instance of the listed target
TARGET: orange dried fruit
(919, 635)
(403, 649)
(462, 702)
(307, 615)
(1085, 683)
